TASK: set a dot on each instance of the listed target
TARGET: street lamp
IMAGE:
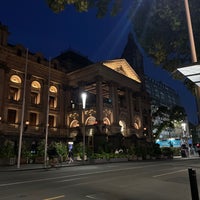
(183, 125)
(83, 97)
(192, 72)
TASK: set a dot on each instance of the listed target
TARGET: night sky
(32, 24)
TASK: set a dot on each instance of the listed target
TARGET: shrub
(167, 151)
(7, 150)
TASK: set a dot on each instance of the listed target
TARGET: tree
(84, 5)
(161, 28)
(166, 117)
(160, 25)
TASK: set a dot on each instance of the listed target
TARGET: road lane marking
(169, 173)
(71, 176)
(70, 179)
(57, 197)
(95, 196)
(90, 197)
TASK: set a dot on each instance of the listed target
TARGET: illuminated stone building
(117, 107)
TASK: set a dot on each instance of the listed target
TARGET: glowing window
(52, 121)
(74, 123)
(53, 89)
(15, 79)
(106, 121)
(36, 85)
(91, 120)
(35, 92)
(14, 94)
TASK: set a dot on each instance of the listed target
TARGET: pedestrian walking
(70, 156)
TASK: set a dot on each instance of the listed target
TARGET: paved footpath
(37, 166)
(66, 164)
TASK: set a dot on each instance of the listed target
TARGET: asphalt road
(158, 180)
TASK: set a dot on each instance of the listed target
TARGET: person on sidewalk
(70, 156)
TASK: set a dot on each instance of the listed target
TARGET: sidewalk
(26, 167)
(186, 158)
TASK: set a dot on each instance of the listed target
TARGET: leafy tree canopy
(160, 25)
(166, 117)
(103, 6)
(161, 28)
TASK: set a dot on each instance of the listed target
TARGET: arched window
(53, 89)
(53, 97)
(35, 92)
(36, 85)
(14, 88)
(90, 120)
(106, 121)
(15, 79)
(74, 124)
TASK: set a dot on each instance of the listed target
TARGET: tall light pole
(83, 97)
(192, 72)
(193, 52)
(183, 125)
(190, 31)
(47, 119)
(22, 115)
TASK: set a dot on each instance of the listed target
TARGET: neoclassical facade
(48, 94)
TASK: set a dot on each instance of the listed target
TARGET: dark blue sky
(32, 24)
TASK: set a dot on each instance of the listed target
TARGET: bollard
(193, 184)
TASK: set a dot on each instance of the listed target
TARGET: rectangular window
(11, 116)
(33, 119)
(13, 94)
(51, 121)
(34, 98)
(51, 102)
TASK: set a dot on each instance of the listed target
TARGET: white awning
(191, 72)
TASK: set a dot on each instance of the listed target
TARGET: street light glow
(84, 97)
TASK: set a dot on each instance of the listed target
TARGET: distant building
(161, 94)
(117, 108)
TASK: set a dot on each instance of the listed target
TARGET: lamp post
(190, 31)
(23, 111)
(23, 129)
(193, 53)
(183, 125)
(83, 97)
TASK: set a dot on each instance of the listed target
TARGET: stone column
(99, 102)
(115, 105)
(128, 107)
(61, 106)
